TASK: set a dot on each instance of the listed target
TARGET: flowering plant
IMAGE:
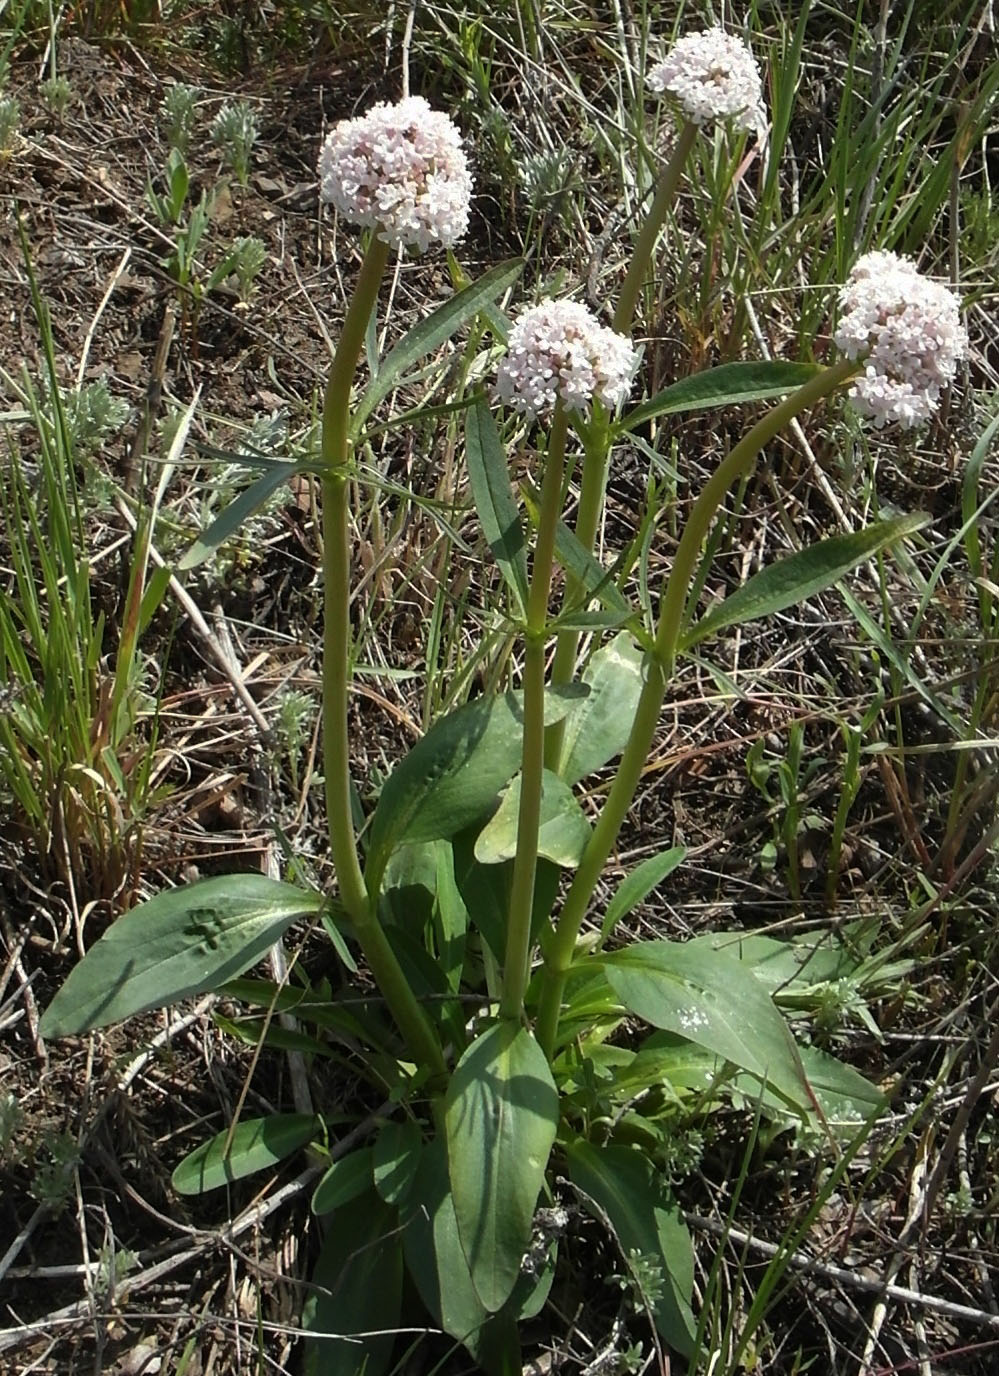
(503, 1035)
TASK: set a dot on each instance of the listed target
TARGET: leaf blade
(255, 1144)
(501, 1113)
(182, 942)
(808, 571)
(730, 384)
(492, 493)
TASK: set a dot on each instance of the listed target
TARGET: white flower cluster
(560, 349)
(401, 168)
(713, 76)
(908, 330)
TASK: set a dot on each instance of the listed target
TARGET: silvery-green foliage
(234, 131)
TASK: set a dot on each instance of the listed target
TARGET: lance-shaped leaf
(501, 1112)
(620, 1185)
(432, 331)
(452, 776)
(730, 384)
(562, 834)
(598, 728)
(256, 1144)
(713, 1001)
(240, 509)
(180, 943)
(344, 1181)
(356, 1292)
(800, 575)
(489, 475)
(636, 886)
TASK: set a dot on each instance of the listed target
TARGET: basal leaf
(599, 726)
(344, 1181)
(452, 776)
(621, 1183)
(501, 1112)
(792, 580)
(489, 474)
(352, 1307)
(712, 1000)
(182, 942)
(395, 1158)
(562, 834)
(255, 1144)
(729, 384)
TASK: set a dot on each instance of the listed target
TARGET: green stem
(596, 452)
(336, 402)
(360, 906)
(561, 945)
(516, 966)
(669, 180)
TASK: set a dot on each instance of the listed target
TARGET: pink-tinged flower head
(558, 349)
(400, 168)
(908, 331)
(713, 76)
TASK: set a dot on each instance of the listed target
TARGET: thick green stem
(596, 452)
(669, 180)
(516, 966)
(385, 968)
(561, 944)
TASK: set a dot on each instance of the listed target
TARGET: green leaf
(792, 580)
(621, 1187)
(433, 1251)
(485, 891)
(489, 474)
(562, 835)
(729, 384)
(356, 1289)
(598, 728)
(182, 942)
(256, 1144)
(970, 507)
(395, 1158)
(713, 1001)
(636, 886)
(452, 776)
(345, 1180)
(501, 1112)
(251, 499)
(432, 331)
(591, 576)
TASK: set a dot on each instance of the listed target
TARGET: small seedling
(234, 131)
(178, 110)
(10, 121)
(56, 93)
(248, 257)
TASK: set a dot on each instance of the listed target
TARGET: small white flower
(908, 331)
(560, 349)
(401, 168)
(713, 76)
